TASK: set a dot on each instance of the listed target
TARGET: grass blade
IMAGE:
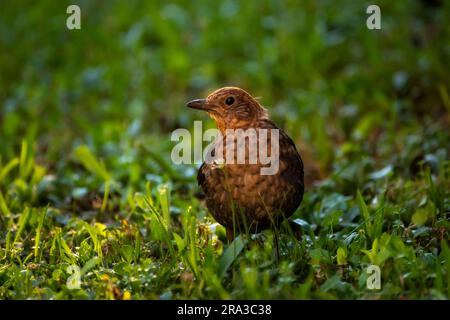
(230, 254)
(38, 234)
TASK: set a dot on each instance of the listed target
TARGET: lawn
(92, 206)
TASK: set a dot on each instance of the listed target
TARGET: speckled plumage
(237, 195)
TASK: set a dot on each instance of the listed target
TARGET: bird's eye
(229, 101)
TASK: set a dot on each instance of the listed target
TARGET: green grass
(86, 178)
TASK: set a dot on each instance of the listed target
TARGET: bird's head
(231, 108)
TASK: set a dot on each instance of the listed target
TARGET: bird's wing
(201, 177)
(287, 146)
(290, 149)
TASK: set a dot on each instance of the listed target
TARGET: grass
(88, 191)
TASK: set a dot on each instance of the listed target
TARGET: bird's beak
(201, 104)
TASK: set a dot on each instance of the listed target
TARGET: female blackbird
(237, 195)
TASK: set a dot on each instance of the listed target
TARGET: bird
(237, 195)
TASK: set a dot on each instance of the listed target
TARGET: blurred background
(335, 86)
(87, 114)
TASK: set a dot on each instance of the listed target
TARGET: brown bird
(238, 195)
